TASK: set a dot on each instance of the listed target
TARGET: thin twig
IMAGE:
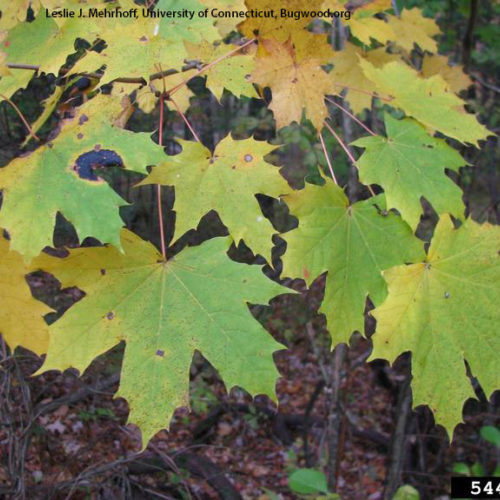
(346, 149)
(18, 111)
(325, 152)
(348, 113)
(209, 65)
(33, 67)
(189, 126)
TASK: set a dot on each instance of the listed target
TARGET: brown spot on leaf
(248, 158)
(103, 271)
(294, 80)
(79, 136)
(83, 119)
(97, 147)
(306, 273)
(160, 353)
(110, 315)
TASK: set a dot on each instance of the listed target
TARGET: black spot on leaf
(160, 353)
(88, 162)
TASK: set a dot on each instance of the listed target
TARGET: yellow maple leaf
(363, 26)
(231, 73)
(274, 27)
(21, 316)
(296, 85)
(454, 76)
(413, 28)
(348, 73)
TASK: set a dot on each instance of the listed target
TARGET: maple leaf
(269, 28)
(348, 73)
(296, 85)
(231, 73)
(426, 100)
(21, 316)
(47, 181)
(227, 182)
(444, 310)
(151, 44)
(49, 43)
(362, 23)
(226, 24)
(409, 164)
(354, 243)
(411, 27)
(454, 76)
(164, 311)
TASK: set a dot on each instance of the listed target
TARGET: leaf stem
(23, 119)
(209, 65)
(189, 126)
(348, 113)
(327, 158)
(158, 187)
(346, 149)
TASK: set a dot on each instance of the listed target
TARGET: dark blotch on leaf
(79, 136)
(248, 158)
(83, 119)
(110, 315)
(160, 353)
(103, 271)
(87, 162)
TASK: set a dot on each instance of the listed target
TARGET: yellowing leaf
(164, 311)
(21, 316)
(354, 243)
(362, 25)
(47, 181)
(49, 44)
(348, 73)
(366, 28)
(225, 24)
(231, 73)
(297, 86)
(413, 28)
(146, 99)
(226, 181)
(409, 164)
(274, 27)
(444, 311)
(454, 76)
(426, 100)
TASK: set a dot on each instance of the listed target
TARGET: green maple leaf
(354, 243)
(427, 100)
(164, 311)
(47, 181)
(225, 181)
(45, 43)
(409, 164)
(150, 44)
(446, 310)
